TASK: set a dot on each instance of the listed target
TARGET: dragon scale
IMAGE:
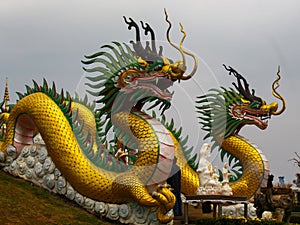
(44, 114)
(166, 142)
(254, 164)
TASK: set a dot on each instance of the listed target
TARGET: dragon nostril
(274, 106)
(270, 107)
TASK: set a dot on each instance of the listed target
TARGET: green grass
(23, 203)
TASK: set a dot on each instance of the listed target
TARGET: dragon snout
(270, 107)
(178, 69)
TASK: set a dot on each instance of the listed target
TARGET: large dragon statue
(112, 150)
(223, 113)
(84, 142)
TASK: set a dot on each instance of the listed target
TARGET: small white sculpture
(229, 211)
(251, 211)
(237, 210)
(225, 172)
(213, 185)
(204, 166)
(201, 191)
(218, 183)
(267, 215)
(226, 189)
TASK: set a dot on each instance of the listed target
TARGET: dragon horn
(190, 54)
(180, 49)
(276, 85)
(147, 29)
(169, 39)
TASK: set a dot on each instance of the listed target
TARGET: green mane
(216, 119)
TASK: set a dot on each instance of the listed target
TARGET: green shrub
(263, 222)
(225, 221)
(253, 222)
(205, 221)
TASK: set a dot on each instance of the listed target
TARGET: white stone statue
(204, 165)
(226, 189)
(216, 177)
(211, 184)
(225, 172)
(237, 210)
(208, 176)
(267, 215)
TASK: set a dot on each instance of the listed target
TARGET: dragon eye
(158, 68)
(127, 78)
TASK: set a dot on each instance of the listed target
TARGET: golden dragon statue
(83, 142)
(223, 113)
(116, 152)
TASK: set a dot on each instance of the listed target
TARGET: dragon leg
(167, 201)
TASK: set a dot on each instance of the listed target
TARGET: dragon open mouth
(252, 116)
(157, 85)
(259, 117)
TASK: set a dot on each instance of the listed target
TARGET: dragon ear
(148, 53)
(242, 86)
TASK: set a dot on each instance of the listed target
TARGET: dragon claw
(163, 198)
(148, 200)
(166, 200)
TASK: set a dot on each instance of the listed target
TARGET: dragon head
(131, 77)
(226, 111)
(128, 77)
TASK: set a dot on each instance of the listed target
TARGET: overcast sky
(48, 39)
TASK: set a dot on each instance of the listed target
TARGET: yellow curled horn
(276, 85)
(181, 64)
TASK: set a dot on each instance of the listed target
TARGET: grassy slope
(23, 203)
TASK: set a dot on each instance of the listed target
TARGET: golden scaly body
(91, 180)
(189, 178)
(248, 155)
(108, 186)
(253, 166)
(44, 115)
(62, 145)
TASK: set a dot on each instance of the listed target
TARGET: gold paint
(253, 167)
(86, 178)
(244, 101)
(276, 85)
(270, 107)
(143, 63)
(179, 67)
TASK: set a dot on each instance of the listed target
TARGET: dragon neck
(152, 136)
(254, 163)
(184, 154)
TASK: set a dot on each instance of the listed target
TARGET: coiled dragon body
(116, 152)
(223, 113)
(84, 141)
